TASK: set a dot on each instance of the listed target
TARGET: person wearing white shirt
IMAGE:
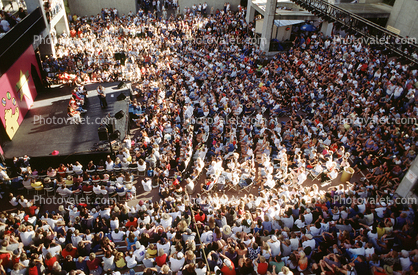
(73, 213)
(164, 245)
(308, 241)
(117, 236)
(177, 261)
(166, 220)
(369, 250)
(78, 168)
(315, 230)
(55, 250)
(207, 236)
(130, 259)
(294, 242)
(13, 200)
(274, 245)
(114, 223)
(76, 238)
(147, 184)
(308, 216)
(405, 260)
(357, 250)
(139, 252)
(287, 221)
(26, 235)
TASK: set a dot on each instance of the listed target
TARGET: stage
(46, 127)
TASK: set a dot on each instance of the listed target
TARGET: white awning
(282, 23)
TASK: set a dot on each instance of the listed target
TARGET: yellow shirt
(69, 182)
(152, 252)
(380, 232)
(37, 185)
(120, 263)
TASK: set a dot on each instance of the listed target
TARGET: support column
(268, 25)
(62, 25)
(326, 28)
(250, 12)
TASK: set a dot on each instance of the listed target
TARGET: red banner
(17, 91)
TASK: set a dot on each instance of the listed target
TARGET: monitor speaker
(120, 114)
(103, 133)
(121, 85)
(115, 135)
(120, 97)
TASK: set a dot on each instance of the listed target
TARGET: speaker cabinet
(103, 133)
(121, 85)
(120, 114)
(121, 96)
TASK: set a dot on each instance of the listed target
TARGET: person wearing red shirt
(93, 264)
(49, 261)
(200, 217)
(69, 250)
(87, 187)
(33, 267)
(161, 259)
(262, 267)
(132, 222)
(228, 267)
(5, 258)
(61, 170)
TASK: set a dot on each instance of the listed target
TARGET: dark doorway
(36, 80)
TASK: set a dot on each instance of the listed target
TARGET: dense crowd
(211, 114)
(9, 20)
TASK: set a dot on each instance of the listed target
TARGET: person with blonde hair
(94, 264)
(161, 259)
(302, 262)
(262, 266)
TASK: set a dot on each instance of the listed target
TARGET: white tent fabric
(282, 23)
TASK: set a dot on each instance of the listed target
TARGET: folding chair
(316, 172)
(209, 190)
(246, 185)
(328, 182)
(132, 191)
(90, 171)
(49, 190)
(233, 184)
(221, 182)
(100, 170)
(122, 195)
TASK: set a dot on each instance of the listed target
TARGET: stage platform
(45, 129)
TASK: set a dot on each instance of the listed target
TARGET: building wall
(18, 91)
(216, 4)
(404, 17)
(93, 7)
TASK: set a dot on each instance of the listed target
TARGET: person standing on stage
(102, 96)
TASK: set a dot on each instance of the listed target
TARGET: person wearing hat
(166, 220)
(226, 232)
(386, 270)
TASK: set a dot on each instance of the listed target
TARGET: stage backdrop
(17, 91)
